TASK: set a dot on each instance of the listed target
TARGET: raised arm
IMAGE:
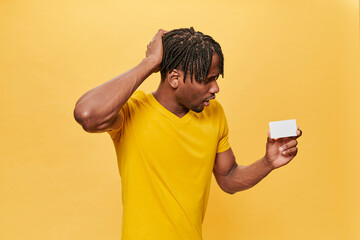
(233, 178)
(98, 110)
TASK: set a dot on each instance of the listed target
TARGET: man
(169, 142)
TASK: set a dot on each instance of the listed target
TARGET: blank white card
(280, 129)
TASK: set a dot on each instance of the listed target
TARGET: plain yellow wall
(283, 59)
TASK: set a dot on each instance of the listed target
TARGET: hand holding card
(281, 129)
(281, 146)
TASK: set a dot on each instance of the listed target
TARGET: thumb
(269, 139)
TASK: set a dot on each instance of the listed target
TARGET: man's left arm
(233, 178)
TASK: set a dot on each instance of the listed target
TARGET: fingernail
(281, 149)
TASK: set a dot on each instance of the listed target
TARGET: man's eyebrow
(213, 76)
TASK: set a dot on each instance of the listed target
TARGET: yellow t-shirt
(165, 164)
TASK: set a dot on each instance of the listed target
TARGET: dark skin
(98, 110)
(232, 177)
(178, 96)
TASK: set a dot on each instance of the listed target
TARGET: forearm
(233, 178)
(101, 104)
(244, 177)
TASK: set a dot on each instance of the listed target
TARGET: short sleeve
(116, 133)
(223, 143)
(127, 111)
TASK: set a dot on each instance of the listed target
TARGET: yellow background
(283, 60)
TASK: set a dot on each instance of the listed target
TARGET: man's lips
(206, 102)
(208, 99)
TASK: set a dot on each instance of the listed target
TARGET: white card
(280, 129)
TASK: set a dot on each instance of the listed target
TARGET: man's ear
(174, 78)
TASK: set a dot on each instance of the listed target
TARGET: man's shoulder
(137, 99)
(138, 95)
(130, 109)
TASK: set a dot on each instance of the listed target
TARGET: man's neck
(167, 99)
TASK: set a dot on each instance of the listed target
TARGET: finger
(162, 31)
(291, 152)
(158, 35)
(269, 139)
(298, 132)
(288, 145)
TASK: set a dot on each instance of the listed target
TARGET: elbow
(78, 115)
(229, 191)
(226, 188)
(230, 186)
(234, 190)
(84, 119)
(89, 122)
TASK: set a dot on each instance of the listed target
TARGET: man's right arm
(98, 110)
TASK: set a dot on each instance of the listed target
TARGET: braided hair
(190, 51)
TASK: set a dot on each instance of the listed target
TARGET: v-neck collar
(160, 108)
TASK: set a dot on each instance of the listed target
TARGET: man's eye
(205, 81)
(212, 79)
(208, 80)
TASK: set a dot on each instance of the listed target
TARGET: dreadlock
(190, 51)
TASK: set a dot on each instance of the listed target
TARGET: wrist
(267, 163)
(153, 64)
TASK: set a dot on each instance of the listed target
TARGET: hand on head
(154, 50)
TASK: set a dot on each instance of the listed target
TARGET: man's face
(194, 95)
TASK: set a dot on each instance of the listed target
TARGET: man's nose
(214, 87)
